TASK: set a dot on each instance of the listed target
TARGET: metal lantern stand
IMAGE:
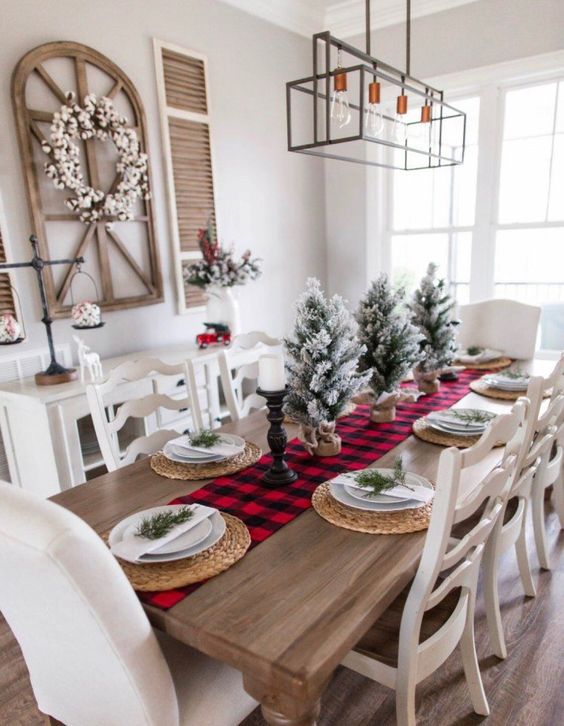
(55, 373)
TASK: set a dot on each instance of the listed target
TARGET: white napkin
(221, 448)
(132, 547)
(414, 491)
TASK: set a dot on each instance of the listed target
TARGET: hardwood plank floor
(526, 689)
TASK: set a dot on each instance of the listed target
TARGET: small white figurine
(88, 360)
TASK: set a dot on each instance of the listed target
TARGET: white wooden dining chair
(436, 612)
(112, 403)
(92, 656)
(505, 325)
(238, 367)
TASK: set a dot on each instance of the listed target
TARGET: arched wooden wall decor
(124, 259)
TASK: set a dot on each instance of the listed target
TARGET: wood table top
(288, 612)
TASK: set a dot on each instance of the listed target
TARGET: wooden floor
(527, 688)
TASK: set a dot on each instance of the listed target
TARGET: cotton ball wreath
(10, 329)
(97, 118)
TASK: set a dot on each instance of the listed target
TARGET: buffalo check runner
(266, 510)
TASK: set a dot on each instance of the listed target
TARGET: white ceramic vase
(223, 307)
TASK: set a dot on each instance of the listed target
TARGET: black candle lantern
(279, 472)
(90, 311)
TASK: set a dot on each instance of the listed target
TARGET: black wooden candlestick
(279, 472)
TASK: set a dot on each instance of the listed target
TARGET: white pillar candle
(271, 373)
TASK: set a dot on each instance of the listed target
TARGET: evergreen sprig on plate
(513, 373)
(159, 524)
(204, 438)
(375, 482)
(474, 350)
(473, 417)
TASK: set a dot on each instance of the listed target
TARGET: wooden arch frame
(27, 122)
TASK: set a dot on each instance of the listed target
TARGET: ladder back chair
(118, 399)
(238, 365)
(550, 472)
(91, 653)
(436, 612)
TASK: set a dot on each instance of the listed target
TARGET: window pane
(556, 203)
(529, 111)
(529, 264)
(412, 253)
(461, 257)
(560, 106)
(442, 197)
(525, 170)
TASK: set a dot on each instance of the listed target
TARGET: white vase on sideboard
(223, 307)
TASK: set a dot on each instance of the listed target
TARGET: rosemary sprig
(376, 482)
(204, 438)
(474, 350)
(513, 373)
(161, 523)
(474, 416)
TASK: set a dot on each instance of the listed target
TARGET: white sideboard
(41, 425)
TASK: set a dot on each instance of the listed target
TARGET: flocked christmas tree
(431, 312)
(390, 338)
(322, 364)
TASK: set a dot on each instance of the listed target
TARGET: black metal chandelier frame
(318, 86)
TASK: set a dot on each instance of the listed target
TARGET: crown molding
(347, 18)
(300, 17)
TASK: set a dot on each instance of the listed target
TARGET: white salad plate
(484, 356)
(455, 431)
(507, 384)
(175, 450)
(342, 493)
(197, 539)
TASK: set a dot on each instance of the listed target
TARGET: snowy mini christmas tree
(322, 363)
(431, 312)
(392, 342)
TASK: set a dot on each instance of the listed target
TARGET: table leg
(274, 718)
(280, 709)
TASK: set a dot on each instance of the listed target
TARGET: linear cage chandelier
(369, 112)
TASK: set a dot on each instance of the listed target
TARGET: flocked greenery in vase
(432, 313)
(392, 346)
(322, 363)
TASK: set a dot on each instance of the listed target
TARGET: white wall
(473, 35)
(267, 199)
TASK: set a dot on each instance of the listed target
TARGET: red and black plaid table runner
(266, 510)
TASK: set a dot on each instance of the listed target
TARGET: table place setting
(461, 427)
(478, 358)
(376, 501)
(505, 385)
(204, 454)
(177, 545)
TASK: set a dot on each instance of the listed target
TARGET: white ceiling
(342, 17)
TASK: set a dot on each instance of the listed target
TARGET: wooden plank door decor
(122, 256)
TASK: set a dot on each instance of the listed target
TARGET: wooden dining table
(292, 607)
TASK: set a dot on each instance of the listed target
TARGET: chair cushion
(382, 640)
(210, 693)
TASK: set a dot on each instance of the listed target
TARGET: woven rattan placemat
(169, 575)
(176, 470)
(492, 365)
(424, 431)
(402, 522)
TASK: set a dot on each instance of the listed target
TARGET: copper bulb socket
(340, 82)
(425, 114)
(374, 92)
(401, 105)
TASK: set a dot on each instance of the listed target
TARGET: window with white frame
(432, 216)
(529, 230)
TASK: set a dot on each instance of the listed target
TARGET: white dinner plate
(340, 493)
(456, 432)
(173, 453)
(449, 417)
(488, 354)
(192, 537)
(216, 533)
(516, 384)
(360, 494)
